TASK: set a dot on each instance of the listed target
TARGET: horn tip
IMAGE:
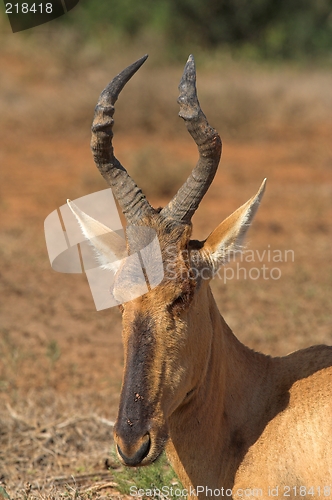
(142, 60)
(111, 93)
(188, 80)
(190, 68)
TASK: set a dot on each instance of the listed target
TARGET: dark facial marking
(135, 404)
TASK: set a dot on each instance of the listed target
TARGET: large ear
(227, 238)
(109, 246)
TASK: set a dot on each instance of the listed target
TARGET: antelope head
(166, 349)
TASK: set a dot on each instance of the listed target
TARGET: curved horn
(184, 204)
(131, 199)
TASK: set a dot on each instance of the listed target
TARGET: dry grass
(56, 448)
(60, 360)
(242, 100)
(61, 452)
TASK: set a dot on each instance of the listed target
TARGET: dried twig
(78, 479)
(100, 486)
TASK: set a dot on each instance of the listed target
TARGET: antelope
(234, 422)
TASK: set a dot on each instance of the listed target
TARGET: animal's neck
(210, 434)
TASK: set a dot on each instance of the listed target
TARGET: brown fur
(229, 417)
(234, 422)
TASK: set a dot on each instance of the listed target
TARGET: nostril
(137, 457)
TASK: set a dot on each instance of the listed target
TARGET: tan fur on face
(235, 423)
(228, 416)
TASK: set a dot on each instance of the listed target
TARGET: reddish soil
(57, 351)
(41, 307)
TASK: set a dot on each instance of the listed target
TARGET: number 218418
(25, 8)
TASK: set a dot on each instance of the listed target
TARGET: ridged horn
(132, 201)
(184, 204)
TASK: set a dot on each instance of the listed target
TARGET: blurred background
(264, 78)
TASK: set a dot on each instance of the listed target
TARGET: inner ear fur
(228, 237)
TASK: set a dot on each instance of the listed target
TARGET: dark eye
(180, 303)
(180, 300)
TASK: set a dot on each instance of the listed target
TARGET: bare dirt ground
(60, 359)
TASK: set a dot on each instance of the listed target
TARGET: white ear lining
(110, 248)
(230, 234)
